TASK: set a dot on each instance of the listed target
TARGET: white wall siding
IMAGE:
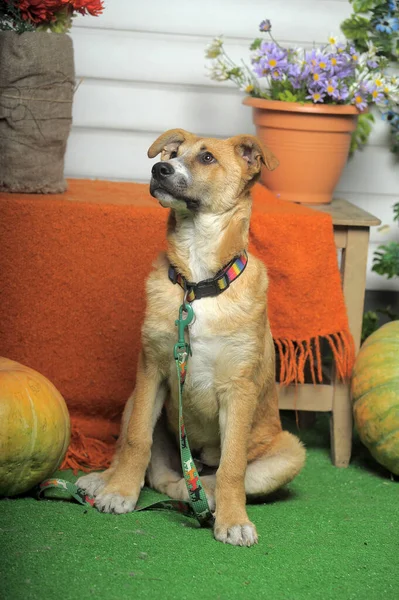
(142, 70)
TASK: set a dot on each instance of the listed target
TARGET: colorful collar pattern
(214, 286)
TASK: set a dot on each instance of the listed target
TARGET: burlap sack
(37, 80)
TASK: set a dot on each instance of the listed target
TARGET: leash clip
(182, 356)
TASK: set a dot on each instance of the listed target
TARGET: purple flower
(359, 101)
(271, 59)
(277, 75)
(331, 88)
(271, 48)
(257, 69)
(367, 87)
(294, 70)
(319, 78)
(334, 62)
(376, 95)
(354, 54)
(341, 47)
(316, 96)
(343, 92)
(322, 63)
(295, 75)
(346, 67)
(265, 25)
(312, 57)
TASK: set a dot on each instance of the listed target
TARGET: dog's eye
(173, 154)
(207, 158)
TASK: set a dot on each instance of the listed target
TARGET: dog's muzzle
(171, 180)
(162, 170)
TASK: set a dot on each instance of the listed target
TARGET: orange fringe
(295, 356)
(86, 453)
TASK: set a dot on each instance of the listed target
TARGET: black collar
(213, 286)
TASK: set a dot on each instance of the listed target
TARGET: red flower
(39, 11)
(91, 7)
(45, 11)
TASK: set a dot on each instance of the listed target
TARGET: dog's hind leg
(279, 466)
(164, 473)
(263, 476)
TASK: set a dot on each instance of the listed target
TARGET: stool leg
(353, 273)
(341, 424)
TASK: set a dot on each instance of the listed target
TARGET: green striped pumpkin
(375, 394)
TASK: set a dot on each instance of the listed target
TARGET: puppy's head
(205, 174)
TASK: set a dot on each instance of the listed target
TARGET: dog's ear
(168, 142)
(254, 153)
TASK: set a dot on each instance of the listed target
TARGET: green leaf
(357, 29)
(388, 312)
(386, 260)
(287, 96)
(235, 72)
(256, 44)
(370, 324)
(362, 132)
(364, 6)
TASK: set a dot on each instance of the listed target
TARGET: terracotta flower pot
(311, 141)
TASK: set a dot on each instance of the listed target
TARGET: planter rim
(322, 109)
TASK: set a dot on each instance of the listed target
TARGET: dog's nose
(162, 170)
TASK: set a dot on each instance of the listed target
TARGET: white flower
(378, 80)
(371, 49)
(246, 87)
(214, 49)
(334, 40)
(391, 92)
(219, 72)
(363, 58)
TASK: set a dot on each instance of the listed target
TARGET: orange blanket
(72, 272)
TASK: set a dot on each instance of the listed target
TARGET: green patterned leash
(198, 506)
(71, 489)
(182, 351)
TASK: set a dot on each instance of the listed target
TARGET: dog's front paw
(91, 484)
(237, 535)
(113, 502)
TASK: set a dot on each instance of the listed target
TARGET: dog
(230, 398)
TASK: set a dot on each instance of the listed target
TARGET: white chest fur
(194, 237)
(206, 347)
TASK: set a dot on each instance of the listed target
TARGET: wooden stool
(351, 234)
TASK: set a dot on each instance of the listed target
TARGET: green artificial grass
(333, 534)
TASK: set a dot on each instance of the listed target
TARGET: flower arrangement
(333, 73)
(43, 15)
(377, 21)
(380, 25)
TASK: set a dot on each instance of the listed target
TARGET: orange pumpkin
(34, 428)
(375, 393)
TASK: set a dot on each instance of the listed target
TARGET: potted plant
(37, 81)
(305, 106)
